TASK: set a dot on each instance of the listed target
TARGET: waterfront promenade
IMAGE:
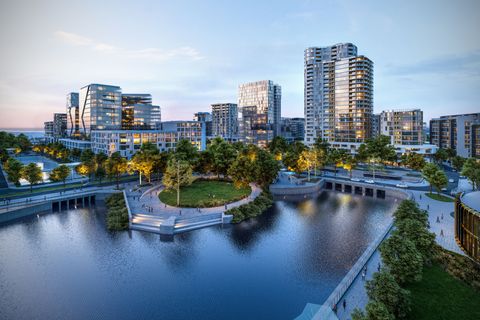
(356, 295)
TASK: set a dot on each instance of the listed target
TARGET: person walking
(441, 233)
(438, 220)
(344, 304)
(428, 207)
(379, 267)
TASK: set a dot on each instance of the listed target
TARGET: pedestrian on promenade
(344, 304)
(365, 268)
(379, 267)
(442, 216)
(225, 207)
(180, 212)
(438, 220)
(363, 275)
(441, 233)
(428, 207)
(420, 196)
(165, 205)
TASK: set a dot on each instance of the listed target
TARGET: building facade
(404, 127)
(48, 128)
(457, 132)
(260, 103)
(138, 112)
(59, 125)
(73, 115)
(375, 125)
(225, 121)
(338, 94)
(100, 108)
(467, 223)
(206, 118)
(293, 129)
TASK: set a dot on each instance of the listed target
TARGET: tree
(290, 158)
(305, 162)
(336, 157)
(384, 289)
(408, 209)
(60, 173)
(402, 258)
(440, 156)
(266, 169)
(13, 168)
(278, 147)
(222, 154)
(177, 174)
(143, 162)
(450, 153)
(32, 173)
(115, 166)
(417, 232)
(471, 170)
(428, 173)
(186, 151)
(100, 173)
(377, 151)
(457, 163)
(413, 160)
(349, 163)
(439, 180)
(87, 156)
(242, 171)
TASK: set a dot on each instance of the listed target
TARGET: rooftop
(472, 199)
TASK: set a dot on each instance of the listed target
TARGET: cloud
(154, 54)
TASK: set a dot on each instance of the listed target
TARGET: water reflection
(66, 265)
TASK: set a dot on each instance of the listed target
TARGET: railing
(8, 205)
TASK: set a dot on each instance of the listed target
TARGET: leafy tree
(160, 162)
(143, 162)
(413, 160)
(186, 151)
(290, 159)
(13, 168)
(23, 142)
(321, 144)
(471, 170)
(266, 168)
(458, 162)
(100, 173)
(60, 173)
(305, 162)
(377, 151)
(177, 174)
(428, 173)
(375, 311)
(439, 180)
(32, 173)
(349, 163)
(402, 258)
(440, 156)
(336, 157)
(384, 289)
(87, 156)
(278, 147)
(242, 171)
(115, 166)
(408, 209)
(417, 232)
(204, 163)
(223, 154)
(450, 153)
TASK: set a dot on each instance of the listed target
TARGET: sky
(190, 54)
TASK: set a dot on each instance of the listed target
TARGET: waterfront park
(235, 231)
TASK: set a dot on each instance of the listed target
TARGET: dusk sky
(189, 54)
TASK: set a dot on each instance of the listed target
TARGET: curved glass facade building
(467, 223)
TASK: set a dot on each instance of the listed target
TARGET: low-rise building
(292, 129)
(458, 132)
(467, 222)
(75, 144)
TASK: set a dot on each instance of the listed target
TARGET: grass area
(439, 197)
(205, 194)
(440, 296)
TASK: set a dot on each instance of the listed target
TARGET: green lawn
(439, 197)
(440, 296)
(204, 194)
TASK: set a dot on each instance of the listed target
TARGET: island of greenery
(117, 213)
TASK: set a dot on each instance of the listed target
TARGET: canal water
(67, 266)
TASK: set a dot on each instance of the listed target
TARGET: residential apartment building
(225, 121)
(458, 132)
(138, 112)
(128, 142)
(375, 125)
(48, 128)
(59, 125)
(100, 108)
(338, 96)
(404, 127)
(293, 129)
(73, 115)
(259, 112)
(206, 118)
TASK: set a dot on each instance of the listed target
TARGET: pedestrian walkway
(356, 296)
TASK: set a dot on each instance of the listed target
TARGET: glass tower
(338, 94)
(138, 112)
(260, 103)
(73, 118)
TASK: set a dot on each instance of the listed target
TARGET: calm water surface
(67, 266)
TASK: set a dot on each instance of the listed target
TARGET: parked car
(355, 179)
(444, 189)
(370, 181)
(402, 185)
(451, 180)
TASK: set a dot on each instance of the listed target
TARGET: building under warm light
(467, 223)
(338, 95)
(404, 127)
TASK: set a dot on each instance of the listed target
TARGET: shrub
(252, 209)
